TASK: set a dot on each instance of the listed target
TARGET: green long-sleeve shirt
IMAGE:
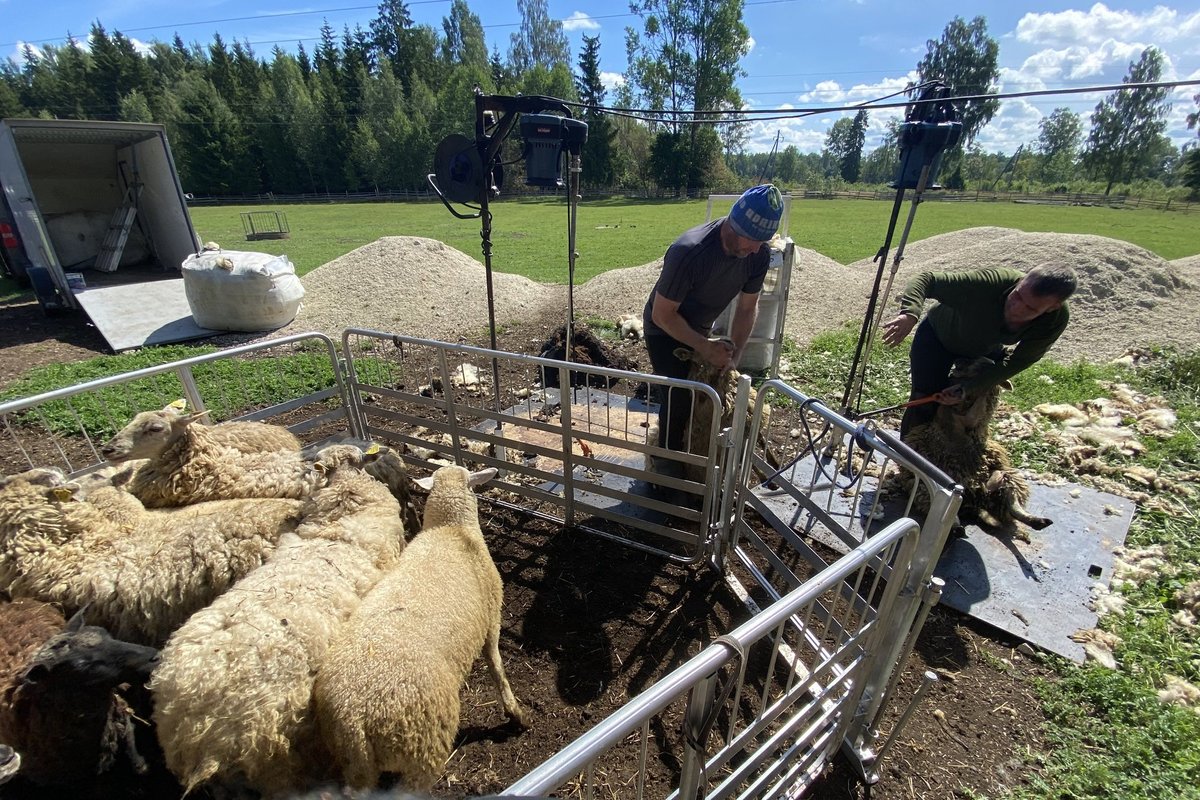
(969, 318)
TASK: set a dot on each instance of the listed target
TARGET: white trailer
(93, 217)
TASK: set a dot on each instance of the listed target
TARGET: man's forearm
(743, 326)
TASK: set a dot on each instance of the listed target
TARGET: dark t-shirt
(699, 276)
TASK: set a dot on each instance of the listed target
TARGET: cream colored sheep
(196, 466)
(387, 691)
(142, 573)
(149, 433)
(234, 690)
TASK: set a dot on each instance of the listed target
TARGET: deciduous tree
(540, 42)
(1058, 144)
(687, 58)
(966, 59)
(1127, 124)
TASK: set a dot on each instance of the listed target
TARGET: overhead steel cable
(758, 115)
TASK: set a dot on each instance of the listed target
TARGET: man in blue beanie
(706, 268)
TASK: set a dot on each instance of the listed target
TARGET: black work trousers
(929, 365)
(675, 410)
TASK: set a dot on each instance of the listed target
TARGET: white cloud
(750, 44)
(612, 80)
(1015, 124)
(1100, 24)
(579, 21)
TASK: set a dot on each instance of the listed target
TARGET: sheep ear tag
(372, 449)
(63, 493)
(178, 405)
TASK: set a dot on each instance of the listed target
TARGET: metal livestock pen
(766, 705)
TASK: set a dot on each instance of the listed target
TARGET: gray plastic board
(137, 314)
(1037, 591)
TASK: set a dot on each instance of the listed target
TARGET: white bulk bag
(230, 290)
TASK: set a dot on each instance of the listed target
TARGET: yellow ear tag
(63, 494)
(178, 405)
(372, 449)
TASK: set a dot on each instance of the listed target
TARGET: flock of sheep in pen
(257, 602)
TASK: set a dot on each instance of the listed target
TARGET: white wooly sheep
(234, 690)
(140, 572)
(149, 433)
(196, 466)
(387, 690)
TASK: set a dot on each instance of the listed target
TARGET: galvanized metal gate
(760, 711)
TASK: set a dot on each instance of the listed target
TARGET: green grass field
(529, 237)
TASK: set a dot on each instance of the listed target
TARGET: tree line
(366, 108)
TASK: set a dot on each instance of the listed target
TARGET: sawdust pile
(417, 287)
(1128, 297)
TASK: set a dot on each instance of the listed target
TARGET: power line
(771, 114)
(341, 9)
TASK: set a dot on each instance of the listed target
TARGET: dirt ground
(587, 625)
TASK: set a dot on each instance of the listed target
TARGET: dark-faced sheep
(58, 705)
(387, 691)
(957, 441)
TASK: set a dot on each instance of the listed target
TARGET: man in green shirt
(1011, 317)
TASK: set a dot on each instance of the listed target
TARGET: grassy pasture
(529, 237)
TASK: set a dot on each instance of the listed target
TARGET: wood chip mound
(1128, 297)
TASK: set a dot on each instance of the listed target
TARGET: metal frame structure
(764, 707)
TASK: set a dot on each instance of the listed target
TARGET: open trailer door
(102, 222)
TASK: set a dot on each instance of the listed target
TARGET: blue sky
(805, 53)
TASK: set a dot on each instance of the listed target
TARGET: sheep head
(972, 415)
(87, 655)
(451, 497)
(148, 434)
(38, 476)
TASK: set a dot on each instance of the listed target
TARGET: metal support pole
(573, 197)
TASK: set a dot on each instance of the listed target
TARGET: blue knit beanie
(756, 213)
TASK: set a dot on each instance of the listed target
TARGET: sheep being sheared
(699, 426)
(957, 441)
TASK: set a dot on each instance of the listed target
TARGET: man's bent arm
(665, 314)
